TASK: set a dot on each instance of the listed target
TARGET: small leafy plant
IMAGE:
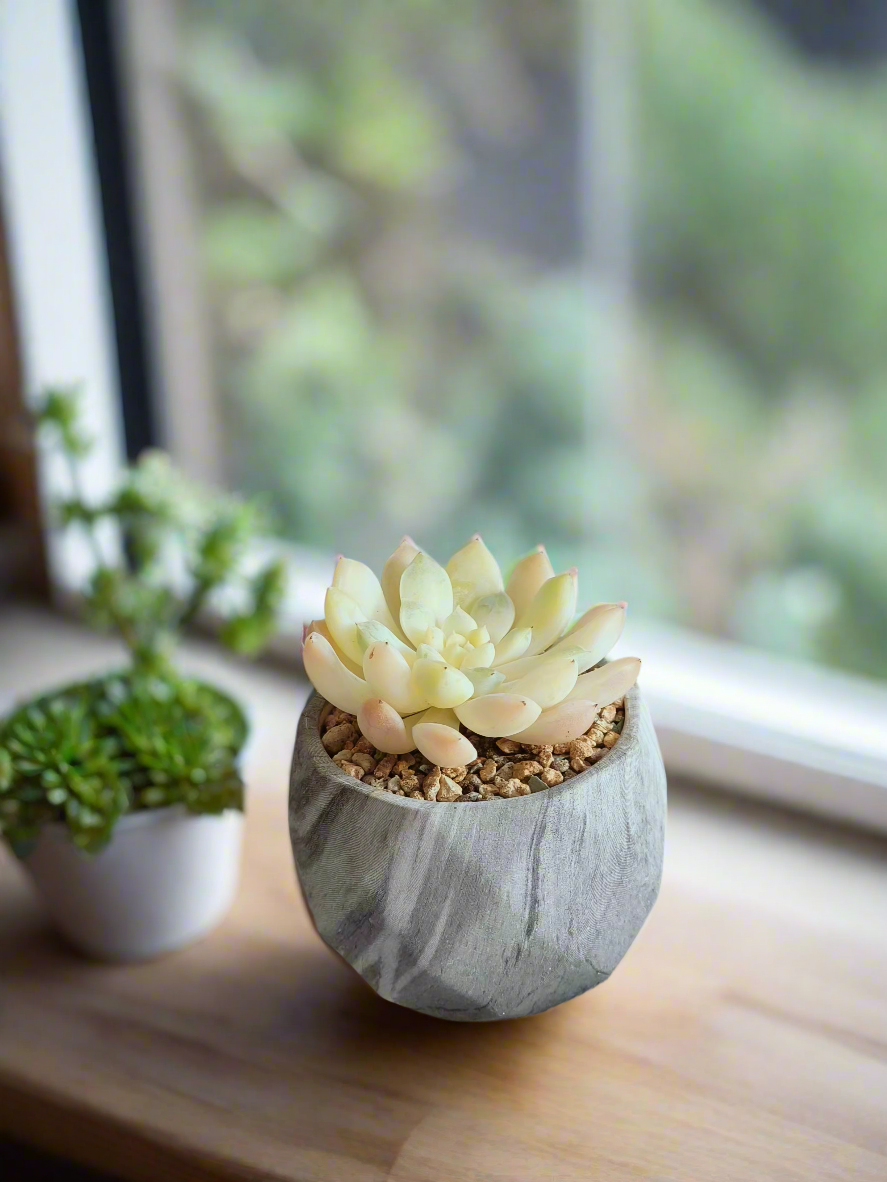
(162, 551)
(431, 649)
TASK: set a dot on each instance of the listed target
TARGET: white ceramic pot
(166, 878)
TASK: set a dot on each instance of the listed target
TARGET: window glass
(407, 332)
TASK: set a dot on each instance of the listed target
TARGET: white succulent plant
(428, 647)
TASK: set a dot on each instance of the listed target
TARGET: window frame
(735, 719)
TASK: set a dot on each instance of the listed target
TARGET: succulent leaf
(443, 685)
(458, 621)
(383, 726)
(595, 632)
(527, 578)
(610, 682)
(553, 606)
(392, 572)
(513, 645)
(443, 745)
(485, 681)
(371, 631)
(473, 572)
(495, 612)
(479, 657)
(427, 652)
(330, 677)
(496, 715)
(443, 717)
(561, 724)
(320, 626)
(389, 676)
(358, 581)
(548, 684)
(416, 622)
(426, 584)
(342, 616)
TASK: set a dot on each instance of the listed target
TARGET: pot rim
(308, 741)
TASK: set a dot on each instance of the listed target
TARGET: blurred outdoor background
(412, 329)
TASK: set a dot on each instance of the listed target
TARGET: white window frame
(741, 720)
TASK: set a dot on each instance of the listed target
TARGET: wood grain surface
(481, 911)
(744, 1037)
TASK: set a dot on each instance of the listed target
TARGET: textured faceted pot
(165, 879)
(485, 910)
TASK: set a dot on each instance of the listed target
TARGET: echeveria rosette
(427, 648)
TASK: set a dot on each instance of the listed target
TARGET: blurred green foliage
(384, 366)
(162, 550)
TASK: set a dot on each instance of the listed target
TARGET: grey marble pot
(485, 910)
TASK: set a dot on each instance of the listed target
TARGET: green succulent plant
(146, 737)
(59, 765)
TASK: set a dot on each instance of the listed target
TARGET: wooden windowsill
(743, 1037)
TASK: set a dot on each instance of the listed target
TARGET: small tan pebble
(352, 769)
(338, 738)
(561, 764)
(417, 795)
(509, 746)
(512, 788)
(411, 783)
(372, 781)
(400, 792)
(343, 756)
(472, 796)
(561, 748)
(578, 765)
(488, 771)
(526, 768)
(449, 790)
(364, 745)
(363, 760)
(524, 790)
(334, 718)
(385, 765)
(596, 735)
(455, 773)
(611, 739)
(402, 767)
(545, 755)
(431, 784)
(549, 777)
(472, 783)
(608, 713)
(475, 765)
(581, 748)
